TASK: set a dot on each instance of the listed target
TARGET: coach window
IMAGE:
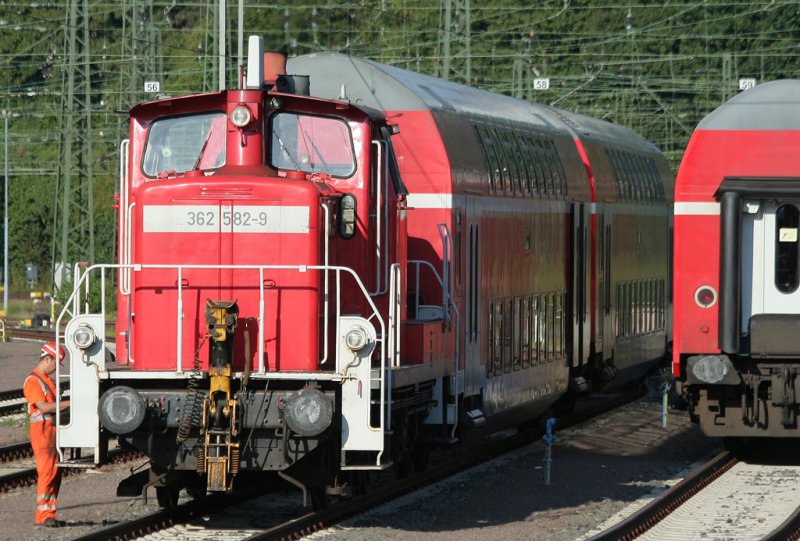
(612, 161)
(516, 335)
(647, 179)
(525, 164)
(537, 179)
(555, 161)
(651, 180)
(491, 334)
(525, 332)
(644, 180)
(457, 251)
(505, 150)
(541, 150)
(496, 310)
(535, 323)
(551, 163)
(513, 173)
(519, 165)
(787, 221)
(619, 174)
(493, 145)
(488, 157)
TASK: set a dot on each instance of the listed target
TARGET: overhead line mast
(454, 41)
(73, 220)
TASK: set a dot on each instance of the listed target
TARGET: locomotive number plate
(225, 219)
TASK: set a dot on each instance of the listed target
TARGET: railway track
(228, 514)
(11, 402)
(734, 492)
(14, 473)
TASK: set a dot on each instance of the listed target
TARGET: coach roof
(388, 88)
(769, 106)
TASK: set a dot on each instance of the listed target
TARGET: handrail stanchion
(179, 362)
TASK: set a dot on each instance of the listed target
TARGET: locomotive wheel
(422, 456)
(402, 450)
(196, 488)
(167, 497)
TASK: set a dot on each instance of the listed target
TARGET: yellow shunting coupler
(219, 455)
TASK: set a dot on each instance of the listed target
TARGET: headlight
(308, 412)
(711, 369)
(241, 116)
(84, 337)
(121, 409)
(356, 338)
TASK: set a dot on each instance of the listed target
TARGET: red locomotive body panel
(236, 222)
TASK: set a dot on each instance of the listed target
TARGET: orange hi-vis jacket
(39, 387)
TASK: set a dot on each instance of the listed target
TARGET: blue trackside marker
(665, 389)
(549, 438)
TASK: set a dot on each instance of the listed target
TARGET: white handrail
(124, 226)
(326, 285)
(82, 280)
(381, 221)
(447, 261)
(419, 264)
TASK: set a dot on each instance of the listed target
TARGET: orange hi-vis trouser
(43, 442)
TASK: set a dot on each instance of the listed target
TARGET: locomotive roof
(770, 106)
(387, 88)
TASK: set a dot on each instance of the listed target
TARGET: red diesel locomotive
(737, 213)
(324, 274)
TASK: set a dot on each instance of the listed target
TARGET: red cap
(50, 349)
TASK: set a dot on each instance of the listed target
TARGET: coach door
(471, 234)
(770, 259)
(580, 284)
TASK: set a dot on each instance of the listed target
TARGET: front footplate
(362, 426)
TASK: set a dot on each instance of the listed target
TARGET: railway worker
(40, 393)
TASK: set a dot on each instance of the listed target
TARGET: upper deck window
(311, 144)
(185, 143)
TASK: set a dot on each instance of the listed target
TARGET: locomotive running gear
(50, 349)
(39, 387)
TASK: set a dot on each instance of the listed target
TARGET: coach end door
(770, 272)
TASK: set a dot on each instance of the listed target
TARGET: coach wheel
(319, 498)
(733, 443)
(167, 497)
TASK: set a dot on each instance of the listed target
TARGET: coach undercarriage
(764, 402)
